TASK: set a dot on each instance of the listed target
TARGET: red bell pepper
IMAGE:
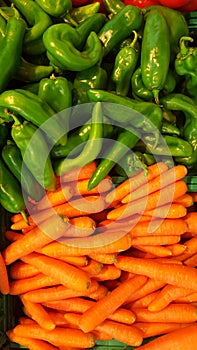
(141, 3)
(175, 4)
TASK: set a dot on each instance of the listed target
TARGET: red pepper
(175, 4)
(190, 6)
(141, 3)
(76, 3)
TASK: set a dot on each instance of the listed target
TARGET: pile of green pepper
(132, 70)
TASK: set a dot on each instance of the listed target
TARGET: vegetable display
(98, 138)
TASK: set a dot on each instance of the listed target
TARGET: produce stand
(11, 307)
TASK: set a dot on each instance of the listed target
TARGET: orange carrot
(159, 227)
(12, 235)
(35, 239)
(20, 270)
(99, 293)
(104, 258)
(178, 313)
(82, 173)
(178, 275)
(135, 182)
(191, 261)
(58, 336)
(93, 267)
(104, 307)
(21, 224)
(150, 286)
(80, 226)
(152, 329)
(155, 240)
(108, 272)
(79, 261)
(185, 200)
(173, 211)
(177, 249)
(32, 344)
(26, 320)
(63, 273)
(181, 339)
(146, 300)
(25, 285)
(155, 199)
(61, 195)
(37, 312)
(191, 221)
(156, 250)
(164, 179)
(80, 188)
(4, 282)
(167, 295)
(16, 217)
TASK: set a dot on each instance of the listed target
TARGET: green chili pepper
(32, 108)
(81, 13)
(11, 197)
(149, 159)
(126, 139)
(169, 116)
(130, 164)
(124, 66)
(146, 116)
(91, 78)
(181, 102)
(35, 152)
(185, 65)
(2, 27)
(11, 49)
(176, 31)
(169, 128)
(155, 52)
(114, 32)
(4, 134)
(38, 21)
(55, 8)
(92, 147)
(29, 72)
(14, 161)
(113, 6)
(62, 42)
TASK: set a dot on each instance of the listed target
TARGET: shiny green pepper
(55, 8)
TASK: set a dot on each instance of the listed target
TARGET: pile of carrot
(113, 263)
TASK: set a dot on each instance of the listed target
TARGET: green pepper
(62, 43)
(81, 13)
(114, 32)
(124, 66)
(185, 65)
(29, 72)
(91, 78)
(35, 152)
(2, 27)
(155, 52)
(32, 87)
(32, 108)
(4, 134)
(126, 139)
(113, 6)
(14, 161)
(91, 148)
(131, 164)
(55, 8)
(169, 128)
(11, 49)
(180, 102)
(38, 21)
(11, 197)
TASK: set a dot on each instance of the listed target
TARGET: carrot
(12, 235)
(150, 286)
(25, 285)
(135, 182)
(159, 227)
(21, 224)
(156, 250)
(191, 248)
(191, 261)
(58, 336)
(190, 298)
(180, 339)
(104, 258)
(107, 305)
(32, 344)
(80, 188)
(37, 312)
(75, 260)
(82, 173)
(155, 199)
(152, 329)
(100, 216)
(100, 244)
(178, 275)
(63, 273)
(16, 217)
(173, 211)
(26, 320)
(178, 313)
(93, 267)
(35, 239)
(191, 221)
(185, 200)
(159, 182)
(4, 281)
(167, 295)
(57, 317)
(108, 272)
(57, 293)
(177, 249)
(99, 293)
(155, 240)
(100, 335)
(52, 198)
(81, 226)
(145, 300)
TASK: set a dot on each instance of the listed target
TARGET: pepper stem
(135, 39)
(156, 96)
(183, 49)
(24, 217)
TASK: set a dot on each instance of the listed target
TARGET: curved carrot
(4, 281)
(32, 344)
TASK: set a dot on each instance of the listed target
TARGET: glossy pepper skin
(11, 197)
(91, 148)
(81, 13)
(11, 49)
(130, 164)
(114, 32)
(124, 66)
(30, 73)
(92, 78)
(29, 106)
(180, 102)
(38, 21)
(155, 52)
(14, 161)
(113, 6)
(2, 27)
(35, 152)
(186, 65)
(55, 8)
(62, 43)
